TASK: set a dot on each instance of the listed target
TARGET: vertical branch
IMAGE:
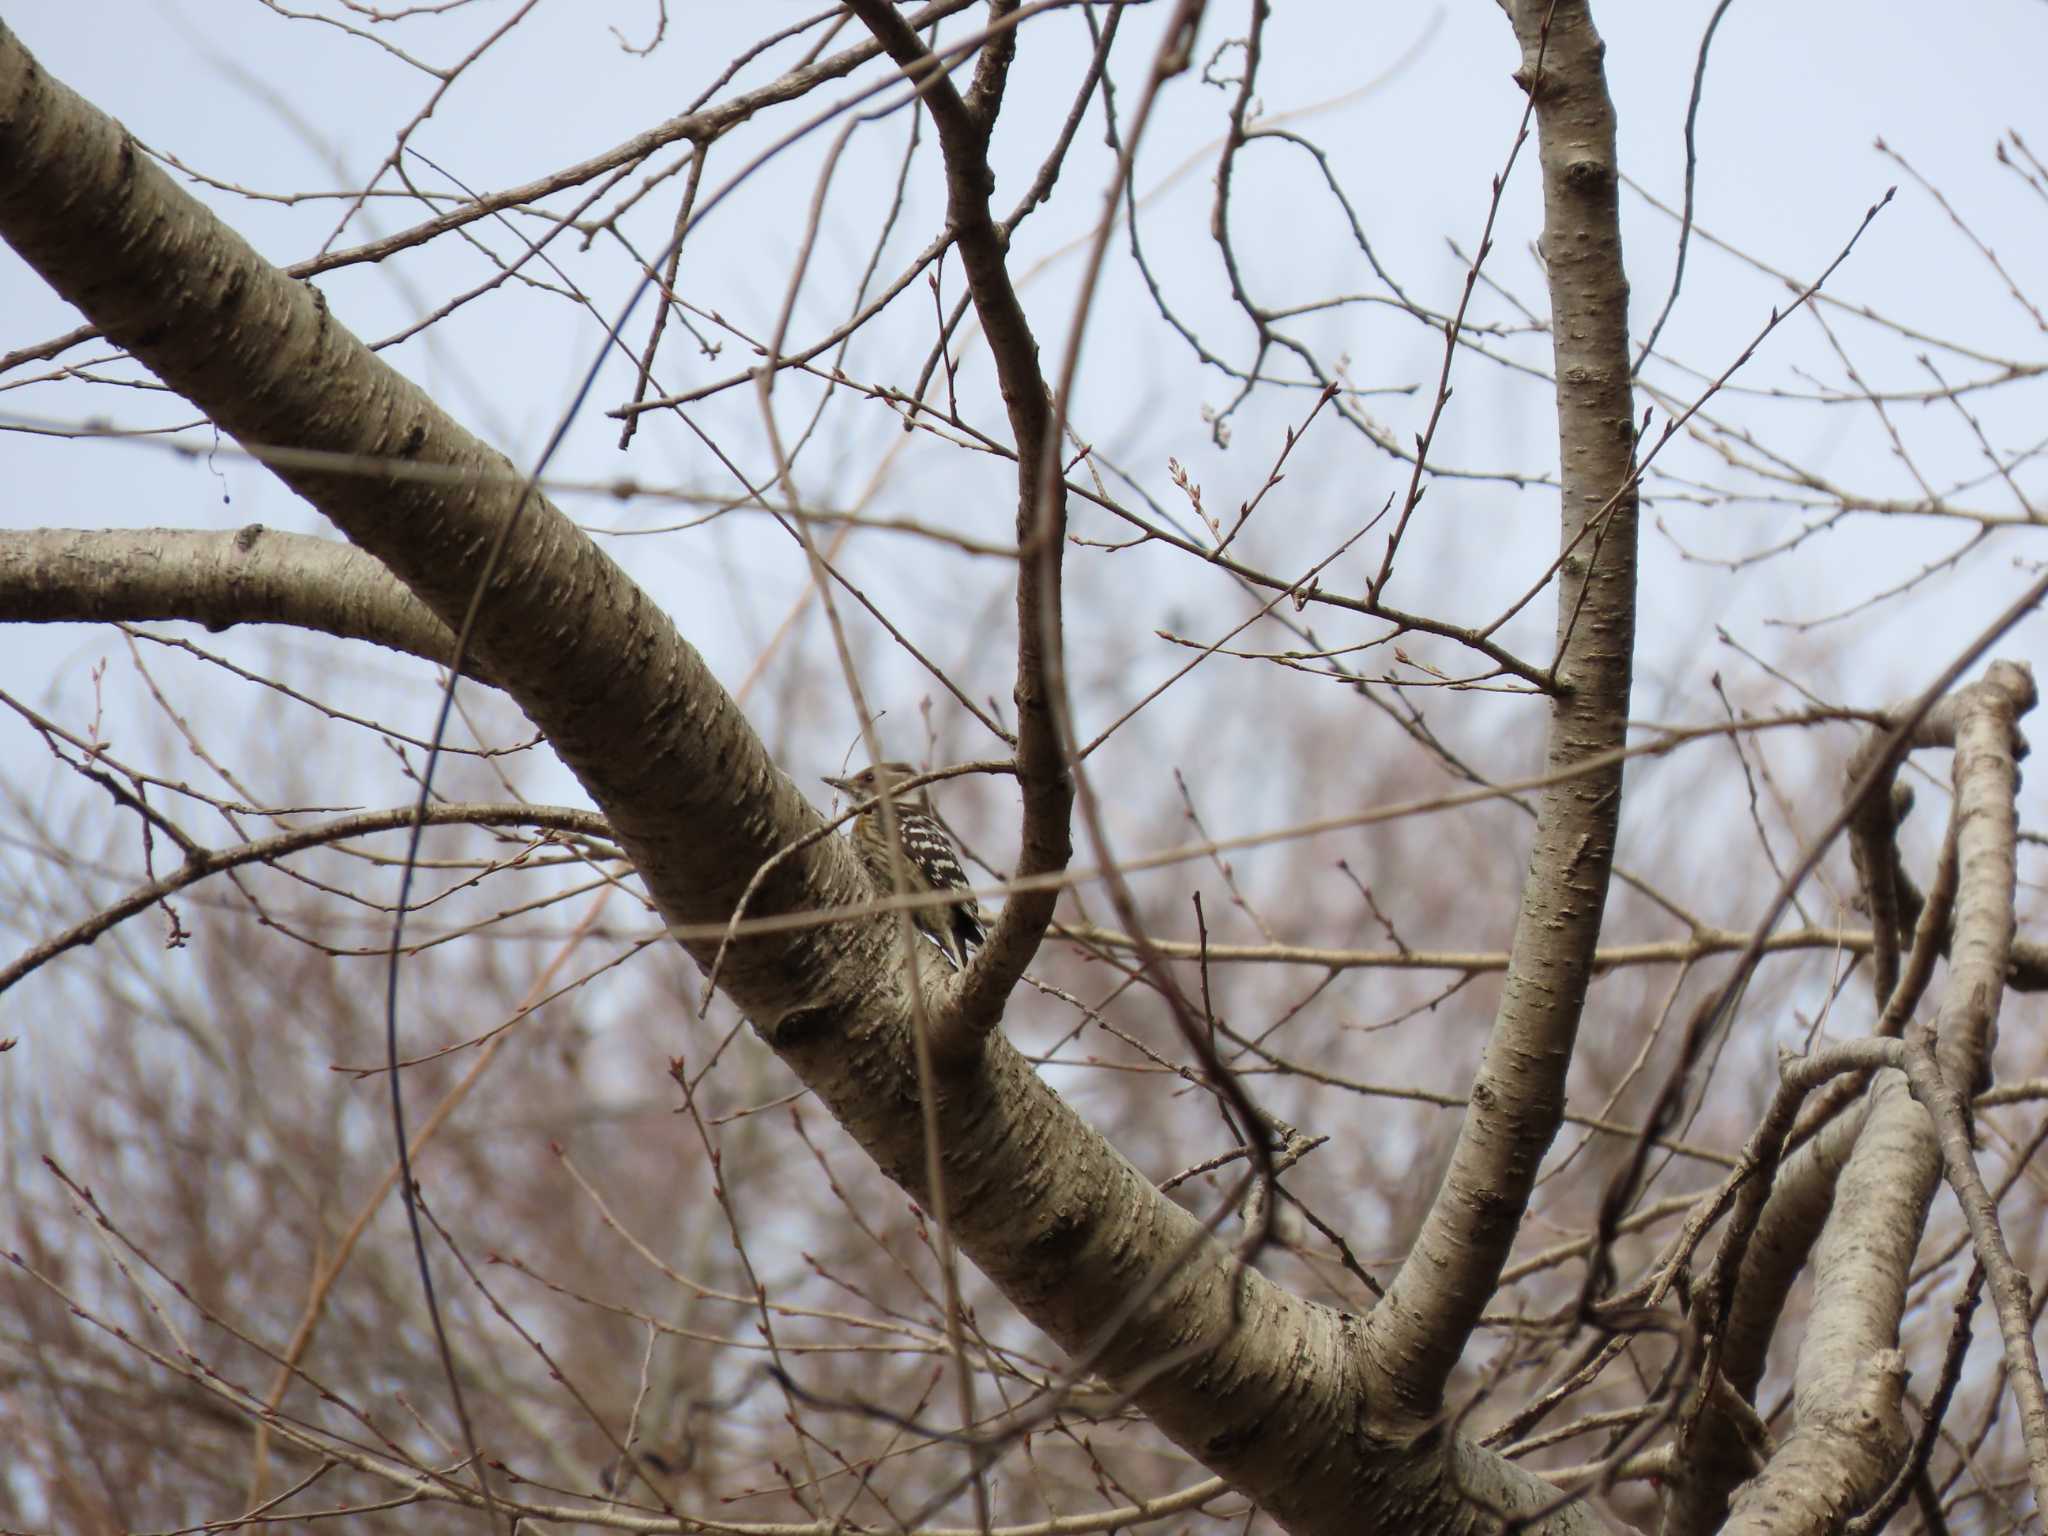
(1517, 1099)
(1046, 843)
(1850, 1370)
(1949, 1060)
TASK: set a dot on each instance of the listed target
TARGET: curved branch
(203, 863)
(1949, 1058)
(1420, 1333)
(1046, 842)
(1850, 1432)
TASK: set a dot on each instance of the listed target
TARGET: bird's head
(881, 778)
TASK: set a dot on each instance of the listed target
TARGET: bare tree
(1606, 1257)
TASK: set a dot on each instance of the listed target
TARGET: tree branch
(1948, 1058)
(255, 575)
(201, 864)
(1046, 842)
(1419, 1333)
(1849, 1379)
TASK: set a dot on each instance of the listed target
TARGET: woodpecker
(929, 862)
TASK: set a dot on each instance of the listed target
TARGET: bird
(929, 861)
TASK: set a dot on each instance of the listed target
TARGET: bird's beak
(839, 784)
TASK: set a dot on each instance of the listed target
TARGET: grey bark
(254, 575)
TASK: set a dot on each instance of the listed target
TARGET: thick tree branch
(1849, 1432)
(1046, 842)
(254, 575)
(1850, 1378)
(1950, 1058)
(1768, 1251)
(1419, 1332)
